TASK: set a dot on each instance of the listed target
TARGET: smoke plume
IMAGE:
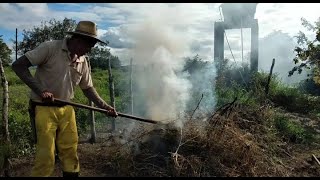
(157, 56)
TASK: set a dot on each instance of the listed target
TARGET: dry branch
(224, 109)
(269, 77)
(196, 107)
(315, 158)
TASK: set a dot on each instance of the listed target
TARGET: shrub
(293, 131)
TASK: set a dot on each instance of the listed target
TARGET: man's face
(84, 45)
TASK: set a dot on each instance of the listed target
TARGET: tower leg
(254, 46)
(218, 44)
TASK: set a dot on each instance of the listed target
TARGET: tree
(194, 64)
(48, 30)
(99, 58)
(308, 52)
(5, 53)
(53, 29)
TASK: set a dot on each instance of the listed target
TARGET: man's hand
(47, 97)
(111, 111)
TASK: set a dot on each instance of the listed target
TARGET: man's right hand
(47, 97)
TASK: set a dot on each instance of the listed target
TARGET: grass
(293, 131)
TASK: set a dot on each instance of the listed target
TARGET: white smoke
(204, 84)
(157, 54)
(280, 46)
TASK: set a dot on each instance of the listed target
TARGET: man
(61, 65)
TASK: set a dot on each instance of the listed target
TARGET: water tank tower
(237, 16)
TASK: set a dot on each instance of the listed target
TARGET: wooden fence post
(5, 128)
(131, 94)
(16, 43)
(92, 125)
(269, 77)
(91, 117)
(111, 88)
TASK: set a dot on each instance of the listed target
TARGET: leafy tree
(308, 52)
(5, 53)
(53, 29)
(194, 64)
(48, 30)
(99, 58)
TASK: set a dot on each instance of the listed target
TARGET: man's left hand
(111, 111)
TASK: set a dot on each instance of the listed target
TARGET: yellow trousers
(55, 127)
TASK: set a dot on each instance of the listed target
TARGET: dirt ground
(91, 156)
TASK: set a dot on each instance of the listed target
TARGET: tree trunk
(5, 129)
(111, 88)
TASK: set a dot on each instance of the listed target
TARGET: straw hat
(87, 28)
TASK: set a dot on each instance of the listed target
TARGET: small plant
(293, 100)
(293, 131)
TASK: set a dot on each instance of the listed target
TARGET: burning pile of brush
(216, 147)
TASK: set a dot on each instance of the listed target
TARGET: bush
(293, 131)
(20, 133)
(309, 87)
(293, 100)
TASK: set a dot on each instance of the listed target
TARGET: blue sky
(119, 22)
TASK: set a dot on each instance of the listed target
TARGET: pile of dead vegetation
(234, 141)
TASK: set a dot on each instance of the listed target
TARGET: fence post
(131, 94)
(92, 124)
(16, 43)
(5, 128)
(111, 88)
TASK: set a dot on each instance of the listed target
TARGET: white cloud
(22, 15)
(193, 21)
(116, 37)
(285, 16)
